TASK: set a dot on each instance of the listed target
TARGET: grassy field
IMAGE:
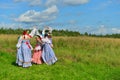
(79, 58)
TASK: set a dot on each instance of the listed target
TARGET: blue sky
(92, 16)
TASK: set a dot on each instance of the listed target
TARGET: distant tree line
(54, 32)
(57, 33)
(65, 33)
(100, 35)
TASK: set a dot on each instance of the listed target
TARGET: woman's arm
(19, 42)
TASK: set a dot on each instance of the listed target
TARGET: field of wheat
(79, 58)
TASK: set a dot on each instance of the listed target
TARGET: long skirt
(26, 52)
(48, 54)
(37, 57)
(19, 59)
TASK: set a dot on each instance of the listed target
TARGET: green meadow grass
(79, 58)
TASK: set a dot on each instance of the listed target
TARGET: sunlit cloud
(115, 30)
(75, 2)
(31, 2)
(37, 16)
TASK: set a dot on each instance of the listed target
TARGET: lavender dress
(26, 53)
(48, 54)
(19, 57)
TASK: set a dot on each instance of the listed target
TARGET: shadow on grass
(14, 64)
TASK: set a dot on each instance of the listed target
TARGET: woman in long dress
(24, 51)
(48, 54)
(37, 55)
(19, 59)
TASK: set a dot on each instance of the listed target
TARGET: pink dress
(37, 55)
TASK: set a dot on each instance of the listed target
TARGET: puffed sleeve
(19, 42)
(45, 40)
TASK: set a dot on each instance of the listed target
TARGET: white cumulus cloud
(115, 30)
(75, 2)
(51, 2)
(65, 2)
(31, 2)
(34, 16)
(102, 30)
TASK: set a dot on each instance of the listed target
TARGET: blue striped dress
(19, 57)
(48, 54)
(26, 53)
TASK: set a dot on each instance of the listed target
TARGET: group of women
(42, 52)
